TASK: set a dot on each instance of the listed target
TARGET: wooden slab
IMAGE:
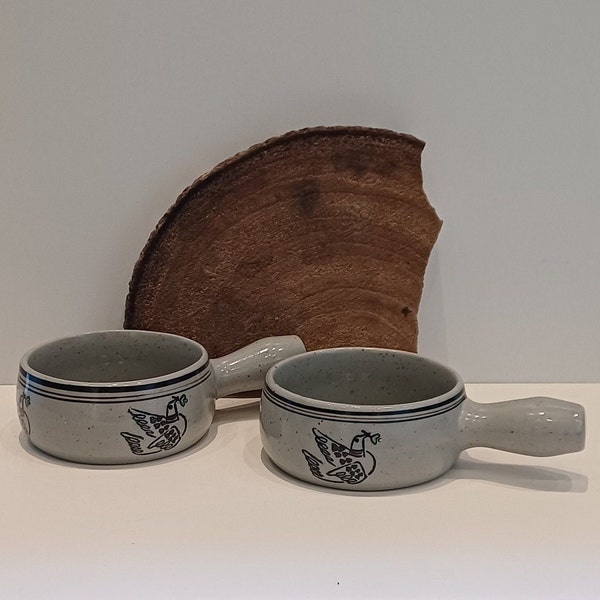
(323, 232)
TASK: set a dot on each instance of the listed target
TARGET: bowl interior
(114, 356)
(364, 376)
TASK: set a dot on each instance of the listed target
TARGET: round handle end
(245, 369)
(533, 426)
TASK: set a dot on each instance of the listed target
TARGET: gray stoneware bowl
(126, 396)
(375, 419)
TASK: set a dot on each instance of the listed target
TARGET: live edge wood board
(323, 232)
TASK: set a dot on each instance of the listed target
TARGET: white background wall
(109, 109)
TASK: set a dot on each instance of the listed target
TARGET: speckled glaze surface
(374, 419)
(127, 396)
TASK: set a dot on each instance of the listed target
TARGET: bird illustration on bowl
(351, 464)
(158, 432)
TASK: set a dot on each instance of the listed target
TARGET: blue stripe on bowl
(60, 391)
(388, 416)
(113, 400)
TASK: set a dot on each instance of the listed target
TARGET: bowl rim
(287, 399)
(29, 374)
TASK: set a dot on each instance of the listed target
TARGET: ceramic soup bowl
(376, 419)
(126, 396)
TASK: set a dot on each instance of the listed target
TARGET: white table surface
(218, 521)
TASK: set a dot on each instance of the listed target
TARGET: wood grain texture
(323, 232)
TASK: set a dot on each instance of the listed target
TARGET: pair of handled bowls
(349, 418)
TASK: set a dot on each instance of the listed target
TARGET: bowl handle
(533, 426)
(245, 369)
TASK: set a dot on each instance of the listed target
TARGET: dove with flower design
(350, 464)
(159, 433)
